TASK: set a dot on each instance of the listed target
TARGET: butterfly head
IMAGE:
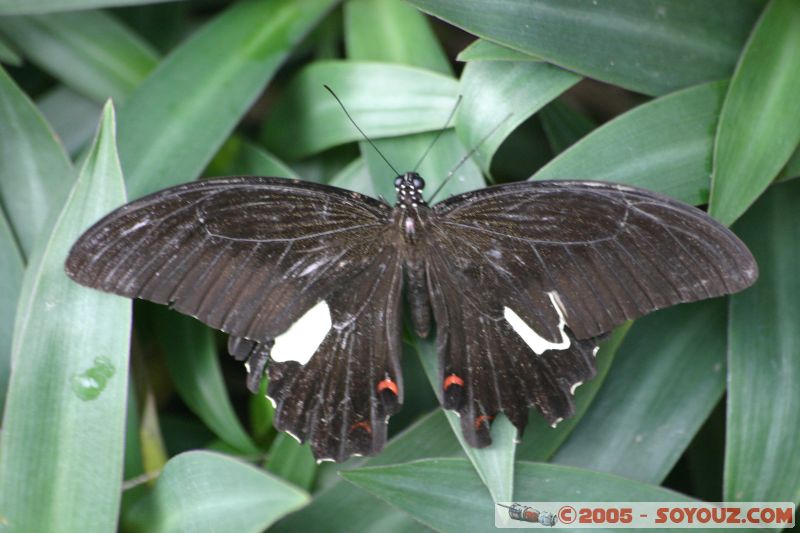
(409, 188)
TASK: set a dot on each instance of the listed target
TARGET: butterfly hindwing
(341, 399)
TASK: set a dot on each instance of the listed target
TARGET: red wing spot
(363, 425)
(452, 379)
(387, 384)
(481, 419)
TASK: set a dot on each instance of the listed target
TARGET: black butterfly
(521, 280)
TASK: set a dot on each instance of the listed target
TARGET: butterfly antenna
(441, 131)
(464, 159)
(396, 173)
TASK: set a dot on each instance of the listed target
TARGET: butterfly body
(518, 281)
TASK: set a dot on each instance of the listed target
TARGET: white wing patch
(536, 342)
(303, 338)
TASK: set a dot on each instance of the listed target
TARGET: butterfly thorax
(410, 212)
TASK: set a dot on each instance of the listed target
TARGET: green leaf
(193, 362)
(292, 461)
(762, 460)
(792, 169)
(205, 491)
(254, 160)
(759, 126)
(173, 124)
(308, 120)
(390, 30)
(541, 440)
(354, 177)
(664, 145)
(564, 126)
(668, 376)
(26, 7)
(344, 508)
(8, 55)
(89, 51)
(35, 173)
(61, 448)
(12, 267)
(483, 50)
(365, 40)
(447, 495)
(495, 463)
(502, 95)
(645, 45)
(70, 115)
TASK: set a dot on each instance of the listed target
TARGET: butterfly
(519, 282)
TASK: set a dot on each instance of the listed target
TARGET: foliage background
(698, 100)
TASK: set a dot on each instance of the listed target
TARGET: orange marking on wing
(452, 379)
(363, 425)
(481, 419)
(387, 384)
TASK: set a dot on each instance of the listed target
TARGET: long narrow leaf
(664, 145)
(644, 45)
(172, 125)
(35, 173)
(205, 492)
(447, 495)
(89, 51)
(307, 119)
(762, 459)
(61, 447)
(501, 95)
(12, 266)
(26, 7)
(759, 127)
(668, 376)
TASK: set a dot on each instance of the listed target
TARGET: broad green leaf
(495, 463)
(792, 169)
(8, 55)
(667, 377)
(172, 125)
(193, 362)
(89, 51)
(541, 441)
(648, 46)
(70, 115)
(759, 126)
(393, 31)
(447, 495)
(344, 508)
(12, 267)
(308, 120)
(483, 50)
(354, 177)
(205, 491)
(563, 125)
(501, 95)
(26, 7)
(254, 160)
(762, 459)
(664, 145)
(35, 173)
(61, 447)
(292, 461)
